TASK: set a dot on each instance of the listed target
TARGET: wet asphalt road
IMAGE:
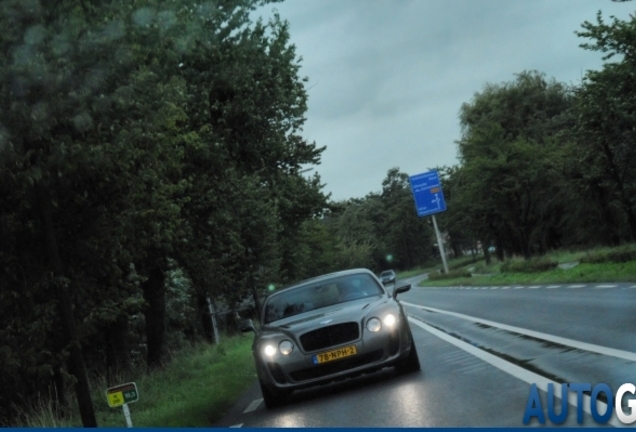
(480, 349)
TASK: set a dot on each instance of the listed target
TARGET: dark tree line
(139, 139)
(544, 165)
(150, 158)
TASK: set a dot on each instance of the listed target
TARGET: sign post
(122, 395)
(429, 200)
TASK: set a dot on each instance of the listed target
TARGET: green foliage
(176, 396)
(507, 189)
(371, 229)
(619, 255)
(605, 111)
(165, 132)
(532, 265)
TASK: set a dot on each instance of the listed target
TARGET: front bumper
(298, 371)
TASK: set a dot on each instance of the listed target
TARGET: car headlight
(389, 320)
(374, 325)
(286, 347)
(269, 350)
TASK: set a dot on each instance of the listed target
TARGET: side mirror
(247, 326)
(400, 289)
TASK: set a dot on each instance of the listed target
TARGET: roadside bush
(452, 274)
(619, 255)
(463, 263)
(532, 265)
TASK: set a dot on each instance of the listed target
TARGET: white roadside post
(440, 244)
(122, 395)
(215, 328)
(127, 415)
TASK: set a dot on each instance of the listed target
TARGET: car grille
(337, 366)
(329, 336)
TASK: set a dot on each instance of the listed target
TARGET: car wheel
(271, 398)
(411, 363)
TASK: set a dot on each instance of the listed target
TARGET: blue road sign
(427, 193)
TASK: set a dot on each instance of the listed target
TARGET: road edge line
(514, 370)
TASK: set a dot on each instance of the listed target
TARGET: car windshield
(320, 294)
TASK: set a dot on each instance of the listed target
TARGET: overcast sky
(387, 77)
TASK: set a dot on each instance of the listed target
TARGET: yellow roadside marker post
(122, 395)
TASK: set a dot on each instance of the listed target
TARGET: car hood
(343, 312)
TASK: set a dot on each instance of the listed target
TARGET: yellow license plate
(336, 354)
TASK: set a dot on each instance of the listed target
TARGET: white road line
(605, 286)
(237, 425)
(534, 286)
(494, 287)
(576, 286)
(505, 287)
(518, 287)
(627, 355)
(516, 371)
(251, 407)
(634, 286)
(553, 286)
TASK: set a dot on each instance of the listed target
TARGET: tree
(511, 162)
(134, 133)
(408, 237)
(606, 113)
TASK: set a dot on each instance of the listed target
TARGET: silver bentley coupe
(329, 328)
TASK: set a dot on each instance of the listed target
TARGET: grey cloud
(387, 78)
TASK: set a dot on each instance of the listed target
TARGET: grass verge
(194, 390)
(603, 272)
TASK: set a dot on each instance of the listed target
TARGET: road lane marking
(516, 371)
(627, 355)
(605, 286)
(534, 287)
(553, 287)
(494, 287)
(576, 286)
(633, 286)
(237, 425)
(505, 287)
(517, 287)
(251, 407)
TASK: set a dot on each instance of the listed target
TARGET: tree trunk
(486, 252)
(117, 350)
(76, 365)
(257, 303)
(499, 251)
(204, 313)
(154, 290)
